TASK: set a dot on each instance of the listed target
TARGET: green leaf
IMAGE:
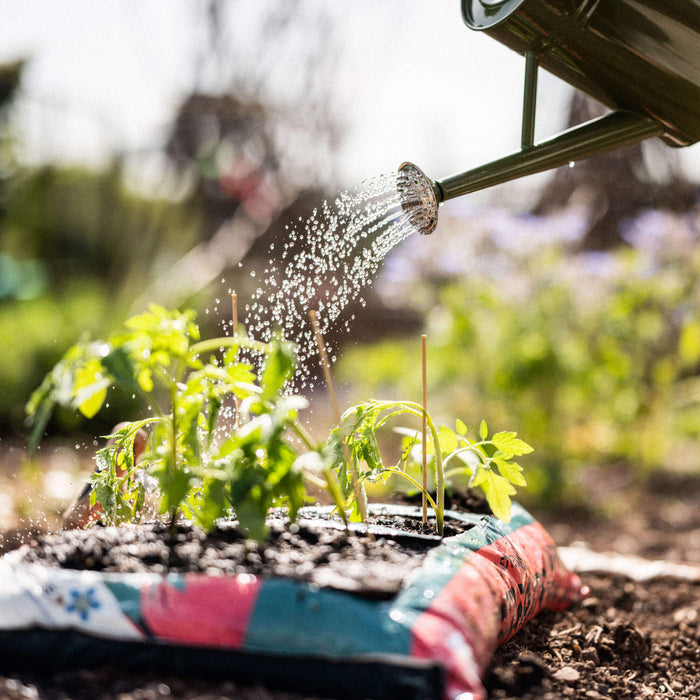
(461, 428)
(174, 485)
(448, 440)
(279, 367)
(497, 491)
(510, 445)
(483, 430)
(145, 379)
(121, 367)
(511, 471)
(212, 503)
(90, 387)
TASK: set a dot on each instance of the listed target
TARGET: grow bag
(433, 639)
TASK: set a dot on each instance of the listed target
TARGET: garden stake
(325, 365)
(234, 314)
(425, 429)
(234, 321)
(357, 488)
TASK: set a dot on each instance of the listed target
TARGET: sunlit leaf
(498, 492)
(90, 387)
(511, 471)
(483, 430)
(510, 445)
(448, 439)
(279, 366)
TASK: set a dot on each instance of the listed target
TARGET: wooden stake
(324, 363)
(234, 321)
(425, 427)
(234, 313)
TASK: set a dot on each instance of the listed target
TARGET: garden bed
(366, 614)
(627, 640)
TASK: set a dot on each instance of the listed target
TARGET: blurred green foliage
(35, 333)
(77, 249)
(593, 359)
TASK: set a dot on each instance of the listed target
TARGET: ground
(629, 639)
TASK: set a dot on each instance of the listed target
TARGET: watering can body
(642, 56)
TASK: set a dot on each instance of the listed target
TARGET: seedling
(187, 383)
(206, 468)
(487, 462)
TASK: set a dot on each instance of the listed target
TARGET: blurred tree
(255, 135)
(618, 185)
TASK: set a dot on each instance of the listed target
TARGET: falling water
(327, 260)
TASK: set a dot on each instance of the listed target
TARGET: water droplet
(341, 247)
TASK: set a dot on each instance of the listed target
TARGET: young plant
(200, 470)
(488, 462)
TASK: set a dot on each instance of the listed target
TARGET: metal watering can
(640, 58)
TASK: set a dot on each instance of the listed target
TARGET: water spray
(636, 57)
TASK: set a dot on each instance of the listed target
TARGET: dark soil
(627, 640)
(374, 565)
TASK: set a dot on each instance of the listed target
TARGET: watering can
(639, 58)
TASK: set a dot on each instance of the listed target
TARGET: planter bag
(434, 638)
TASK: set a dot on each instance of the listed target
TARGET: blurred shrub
(77, 249)
(35, 333)
(591, 358)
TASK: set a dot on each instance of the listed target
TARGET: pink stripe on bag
(201, 610)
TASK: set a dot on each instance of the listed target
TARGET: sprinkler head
(420, 197)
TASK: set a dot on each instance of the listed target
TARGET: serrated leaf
(498, 492)
(510, 445)
(448, 440)
(279, 366)
(212, 503)
(483, 430)
(511, 471)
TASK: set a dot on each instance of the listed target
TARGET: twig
(234, 328)
(324, 363)
(425, 428)
(234, 313)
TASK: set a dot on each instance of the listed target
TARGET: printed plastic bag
(472, 592)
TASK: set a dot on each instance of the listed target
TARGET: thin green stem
(416, 483)
(214, 344)
(303, 435)
(173, 455)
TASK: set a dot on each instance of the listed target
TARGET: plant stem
(416, 483)
(419, 411)
(228, 341)
(173, 456)
(303, 435)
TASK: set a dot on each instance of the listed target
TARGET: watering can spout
(613, 130)
(634, 56)
(420, 197)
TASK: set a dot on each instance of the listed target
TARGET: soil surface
(373, 565)
(627, 640)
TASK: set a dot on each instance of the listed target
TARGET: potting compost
(432, 638)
